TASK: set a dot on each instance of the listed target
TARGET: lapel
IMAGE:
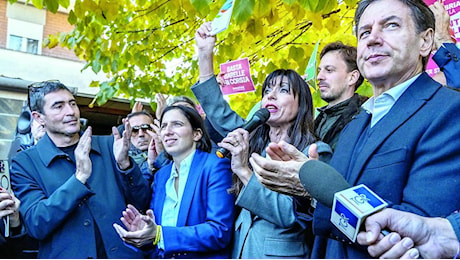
(190, 190)
(160, 190)
(348, 141)
(412, 100)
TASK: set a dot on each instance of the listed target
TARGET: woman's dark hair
(301, 133)
(422, 16)
(196, 122)
(181, 99)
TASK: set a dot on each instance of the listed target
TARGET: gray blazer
(268, 225)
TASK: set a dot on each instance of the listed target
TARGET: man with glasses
(141, 123)
(73, 185)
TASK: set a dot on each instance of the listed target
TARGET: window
(24, 44)
(25, 28)
(9, 113)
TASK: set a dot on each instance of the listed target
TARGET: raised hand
(121, 145)
(155, 146)
(442, 18)
(205, 43)
(160, 99)
(204, 40)
(84, 166)
(137, 107)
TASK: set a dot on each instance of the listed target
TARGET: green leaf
(52, 41)
(96, 66)
(351, 3)
(114, 66)
(52, 5)
(290, 2)
(37, 3)
(72, 19)
(64, 3)
(202, 6)
(305, 4)
(296, 53)
(242, 10)
(141, 2)
(262, 8)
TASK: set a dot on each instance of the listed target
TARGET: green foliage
(147, 47)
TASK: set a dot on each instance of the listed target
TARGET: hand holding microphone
(259, 118)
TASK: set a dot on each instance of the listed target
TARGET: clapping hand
(140, 229)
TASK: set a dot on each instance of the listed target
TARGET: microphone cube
(352, 206)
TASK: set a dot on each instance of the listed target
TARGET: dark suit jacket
(205, 222)
(411, 158)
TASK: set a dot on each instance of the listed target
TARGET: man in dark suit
(404, 146)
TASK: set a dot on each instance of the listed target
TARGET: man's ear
(427, 41)
(39, 117)
(197, 134)
(354, 76)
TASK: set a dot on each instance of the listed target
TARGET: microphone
(350, 206)
(322, 181)
(260, 117)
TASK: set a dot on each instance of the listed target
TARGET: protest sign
(236, 77)
(222, 19)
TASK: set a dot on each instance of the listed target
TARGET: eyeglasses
(35, 87)
(144, 127)
(41, 84)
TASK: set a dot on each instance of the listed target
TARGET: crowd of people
(155, 188)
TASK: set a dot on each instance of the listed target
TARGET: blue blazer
(206, 214)
(411, 158)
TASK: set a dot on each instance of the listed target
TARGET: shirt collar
(184, 165)
(395, 93)
(52, 151)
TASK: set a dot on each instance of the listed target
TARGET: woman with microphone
(269, 224)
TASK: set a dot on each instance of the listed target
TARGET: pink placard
(453, 8)
(236, 77)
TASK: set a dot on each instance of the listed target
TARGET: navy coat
(61, 212)
(411, 159)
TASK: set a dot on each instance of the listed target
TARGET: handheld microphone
(350, 205)
(260, 116)
(322, 181)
